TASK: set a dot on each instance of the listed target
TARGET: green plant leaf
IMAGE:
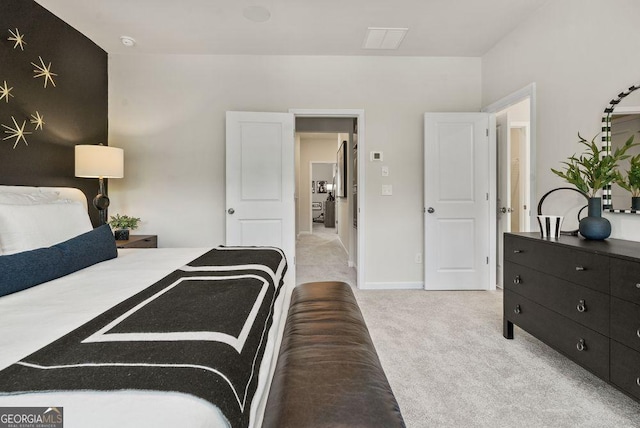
(594, 168)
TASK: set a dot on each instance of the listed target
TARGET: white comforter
(33, 318)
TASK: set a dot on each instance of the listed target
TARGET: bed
(147, 338)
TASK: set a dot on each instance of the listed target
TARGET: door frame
(522, 94)
(523, 190)
(527, 92)
(359, 115)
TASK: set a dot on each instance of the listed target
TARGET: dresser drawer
(625, 323)
(583, 305)
(625, 369)
(139, 241)
(560, 333)
(580, 267)
(625, 280)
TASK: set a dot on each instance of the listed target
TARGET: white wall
(580, 54)
(168, 113)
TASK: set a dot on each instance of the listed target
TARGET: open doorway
(325, 198)
(323, 204)
(515, 167)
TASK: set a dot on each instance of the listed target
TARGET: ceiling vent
(384, 38)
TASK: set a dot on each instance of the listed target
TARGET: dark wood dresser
(580, 297)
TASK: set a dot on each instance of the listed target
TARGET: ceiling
(467, 28)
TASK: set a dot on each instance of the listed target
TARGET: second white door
(457, 229)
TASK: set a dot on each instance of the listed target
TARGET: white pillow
(27, 227)
(14, 198)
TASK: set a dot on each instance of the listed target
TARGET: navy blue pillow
(23, 270)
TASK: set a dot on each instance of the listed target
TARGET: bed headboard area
(53, 96)
(68, 193)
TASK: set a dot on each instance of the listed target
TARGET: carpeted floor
(321, 257)
(449, 366)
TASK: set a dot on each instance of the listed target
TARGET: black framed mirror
(620, 120)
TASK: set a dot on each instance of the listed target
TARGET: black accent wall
(75, 111)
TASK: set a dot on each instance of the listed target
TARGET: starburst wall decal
(44, 71)
(5, 92)
(18, 132)
(37, 120)
(17, 128)
(18, 38)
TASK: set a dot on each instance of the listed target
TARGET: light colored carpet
(321, 257)
(449, 366)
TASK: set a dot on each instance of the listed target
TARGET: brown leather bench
(328, 373)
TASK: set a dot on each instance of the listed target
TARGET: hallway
(321, 257)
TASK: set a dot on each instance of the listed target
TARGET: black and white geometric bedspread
(201, 330)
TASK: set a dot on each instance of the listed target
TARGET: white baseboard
(393, 286)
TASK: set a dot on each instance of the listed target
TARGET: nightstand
(139, 241)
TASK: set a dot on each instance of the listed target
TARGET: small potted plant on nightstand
(121, 224)
(631, 182)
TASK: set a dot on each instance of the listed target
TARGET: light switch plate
(385, 171)
(387, 190)
(376, 156)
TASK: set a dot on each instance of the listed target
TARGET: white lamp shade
(99, 161)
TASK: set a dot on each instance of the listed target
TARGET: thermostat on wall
(376, 156)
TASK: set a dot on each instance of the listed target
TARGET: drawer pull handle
(638, 285)
(517, 310)
(638, 332)
(581, 346)
(580, 268)
(582, 307)
(517, 280)
(517, 251)
(638, 381)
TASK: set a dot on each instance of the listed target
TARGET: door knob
(505, 210)
(231, 210)
(430, 210)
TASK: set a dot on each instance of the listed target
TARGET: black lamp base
(101, 202)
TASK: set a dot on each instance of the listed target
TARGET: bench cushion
(328, 373)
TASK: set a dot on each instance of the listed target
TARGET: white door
(457, 244)
(260, 177)
(504, 189)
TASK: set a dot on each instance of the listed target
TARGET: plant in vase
(594, 169)
(121, 224)
(631, 182)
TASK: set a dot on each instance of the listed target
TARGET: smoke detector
(128, 41)
(256, 13)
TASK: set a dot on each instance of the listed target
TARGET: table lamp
(98, 161)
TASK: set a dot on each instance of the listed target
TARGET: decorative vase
(635, 203)
(550, 226)
(121, 234)
(594, 226)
